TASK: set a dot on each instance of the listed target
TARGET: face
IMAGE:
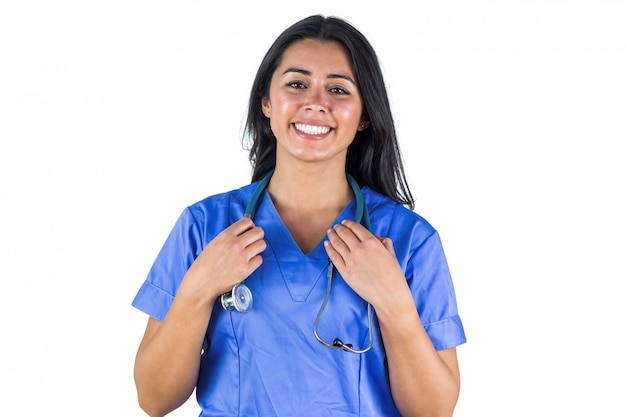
(314, 105)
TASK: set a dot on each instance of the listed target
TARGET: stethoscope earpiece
(239, 298)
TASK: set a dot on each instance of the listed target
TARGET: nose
(316, 100)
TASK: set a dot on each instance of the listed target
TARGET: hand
(228, 259)
(366, 262)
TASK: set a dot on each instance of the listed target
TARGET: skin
(315, 109)
(168, 358)
(424, 382)
(315, 87)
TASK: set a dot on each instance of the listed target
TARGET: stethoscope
(239, 298)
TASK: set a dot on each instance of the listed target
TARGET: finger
(244, 228)
(245, 255)
(254, 249)
(334, 256)
(250, 236)
(357, 229)
(347, 235)
(388, 244)
(254, 263)
(240, 226)
(240, 236)
(338, 242)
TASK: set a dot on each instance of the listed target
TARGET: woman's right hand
(168, 358)
(228, 259)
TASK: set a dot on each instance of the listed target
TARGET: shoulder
(394, 218)
(221, 203)
(212, 214)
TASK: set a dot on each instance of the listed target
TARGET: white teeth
(312, 130)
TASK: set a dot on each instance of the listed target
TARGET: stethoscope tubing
(361, 216)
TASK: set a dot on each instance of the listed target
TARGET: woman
(372, 332)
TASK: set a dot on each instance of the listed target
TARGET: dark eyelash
(340, 90)
(335, 90)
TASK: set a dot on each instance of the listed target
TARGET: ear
(363, 125)
(266, 107)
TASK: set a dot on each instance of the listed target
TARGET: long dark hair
(373, 158)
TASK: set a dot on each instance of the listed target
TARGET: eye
(339, 91)
(296, 85)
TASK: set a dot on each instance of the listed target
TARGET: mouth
(311, 130)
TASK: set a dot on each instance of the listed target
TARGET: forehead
(317, 56)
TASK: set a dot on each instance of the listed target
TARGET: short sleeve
(431, 284)
(182, 246)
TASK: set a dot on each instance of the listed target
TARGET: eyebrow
(308, 73)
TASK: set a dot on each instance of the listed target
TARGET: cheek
(284, 105)
(280, 120)
(287, 105)
(350, 116)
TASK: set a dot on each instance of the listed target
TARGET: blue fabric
(267, 361)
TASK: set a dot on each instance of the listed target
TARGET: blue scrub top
(267, 362)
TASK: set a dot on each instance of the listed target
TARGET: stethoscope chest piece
(238, 298)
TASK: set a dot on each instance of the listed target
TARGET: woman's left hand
(366, 262)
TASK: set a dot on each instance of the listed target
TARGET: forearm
(167, 365)
(422, 383)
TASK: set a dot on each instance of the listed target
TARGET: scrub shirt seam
(232, 326)
(449, 284)
(202, 235)
(360, 392)
(447, 318)
(196, 225)
(236, 339)
(161, 290)
(431, 234)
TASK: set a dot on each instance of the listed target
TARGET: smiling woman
(318, 106)
(330, 201)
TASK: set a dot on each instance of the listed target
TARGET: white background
(115, 115)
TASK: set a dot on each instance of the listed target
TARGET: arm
(424, 382)
(168, 358)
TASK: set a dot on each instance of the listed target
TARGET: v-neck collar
(300, 271)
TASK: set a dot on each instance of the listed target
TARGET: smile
(312, 130)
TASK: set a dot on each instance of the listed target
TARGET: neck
(310, 189)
